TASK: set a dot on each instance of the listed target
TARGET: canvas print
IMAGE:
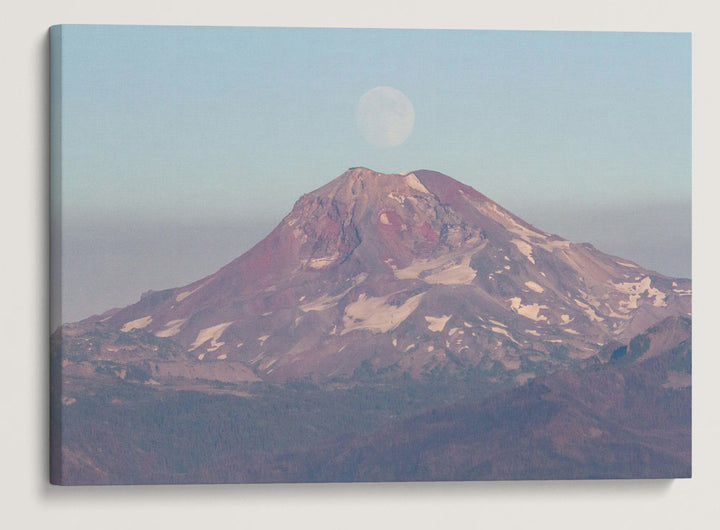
(342, 255)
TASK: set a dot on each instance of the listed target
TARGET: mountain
(391, 327)
(409, 272)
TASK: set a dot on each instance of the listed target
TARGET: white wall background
(26, 499)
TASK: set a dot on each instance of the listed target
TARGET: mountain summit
(409, 272)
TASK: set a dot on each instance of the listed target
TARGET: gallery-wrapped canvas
(341, 255)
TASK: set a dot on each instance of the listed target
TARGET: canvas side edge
(55, 280)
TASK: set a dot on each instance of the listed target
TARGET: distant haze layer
(113, 262)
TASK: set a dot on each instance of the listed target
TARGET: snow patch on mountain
(458, 274)
(445, 271)
(534, 286)
(531, 311)
(558, 243)
(139, 323)
(634, 290)
(375, 314)
(626, 264)
(493, 211)
(214, 346)
(525, 248)
(171, 328)
(589, 311)
(412, 181)
(437, 323)
(504, 332)
(326, 301)
(323, 303)
(211, 334)
(324, 262)
(182, 296)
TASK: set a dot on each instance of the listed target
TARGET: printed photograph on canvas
(353, 255)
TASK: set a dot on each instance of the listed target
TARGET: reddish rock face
(407, 271)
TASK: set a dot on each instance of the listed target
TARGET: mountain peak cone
(412, 272)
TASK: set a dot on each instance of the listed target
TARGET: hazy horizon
(173, 253)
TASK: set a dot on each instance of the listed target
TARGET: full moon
(385, 116)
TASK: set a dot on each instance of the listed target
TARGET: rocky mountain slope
(410, 272)
(629, 418)
(626, 417)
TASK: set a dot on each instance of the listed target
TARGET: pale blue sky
(231, 125)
